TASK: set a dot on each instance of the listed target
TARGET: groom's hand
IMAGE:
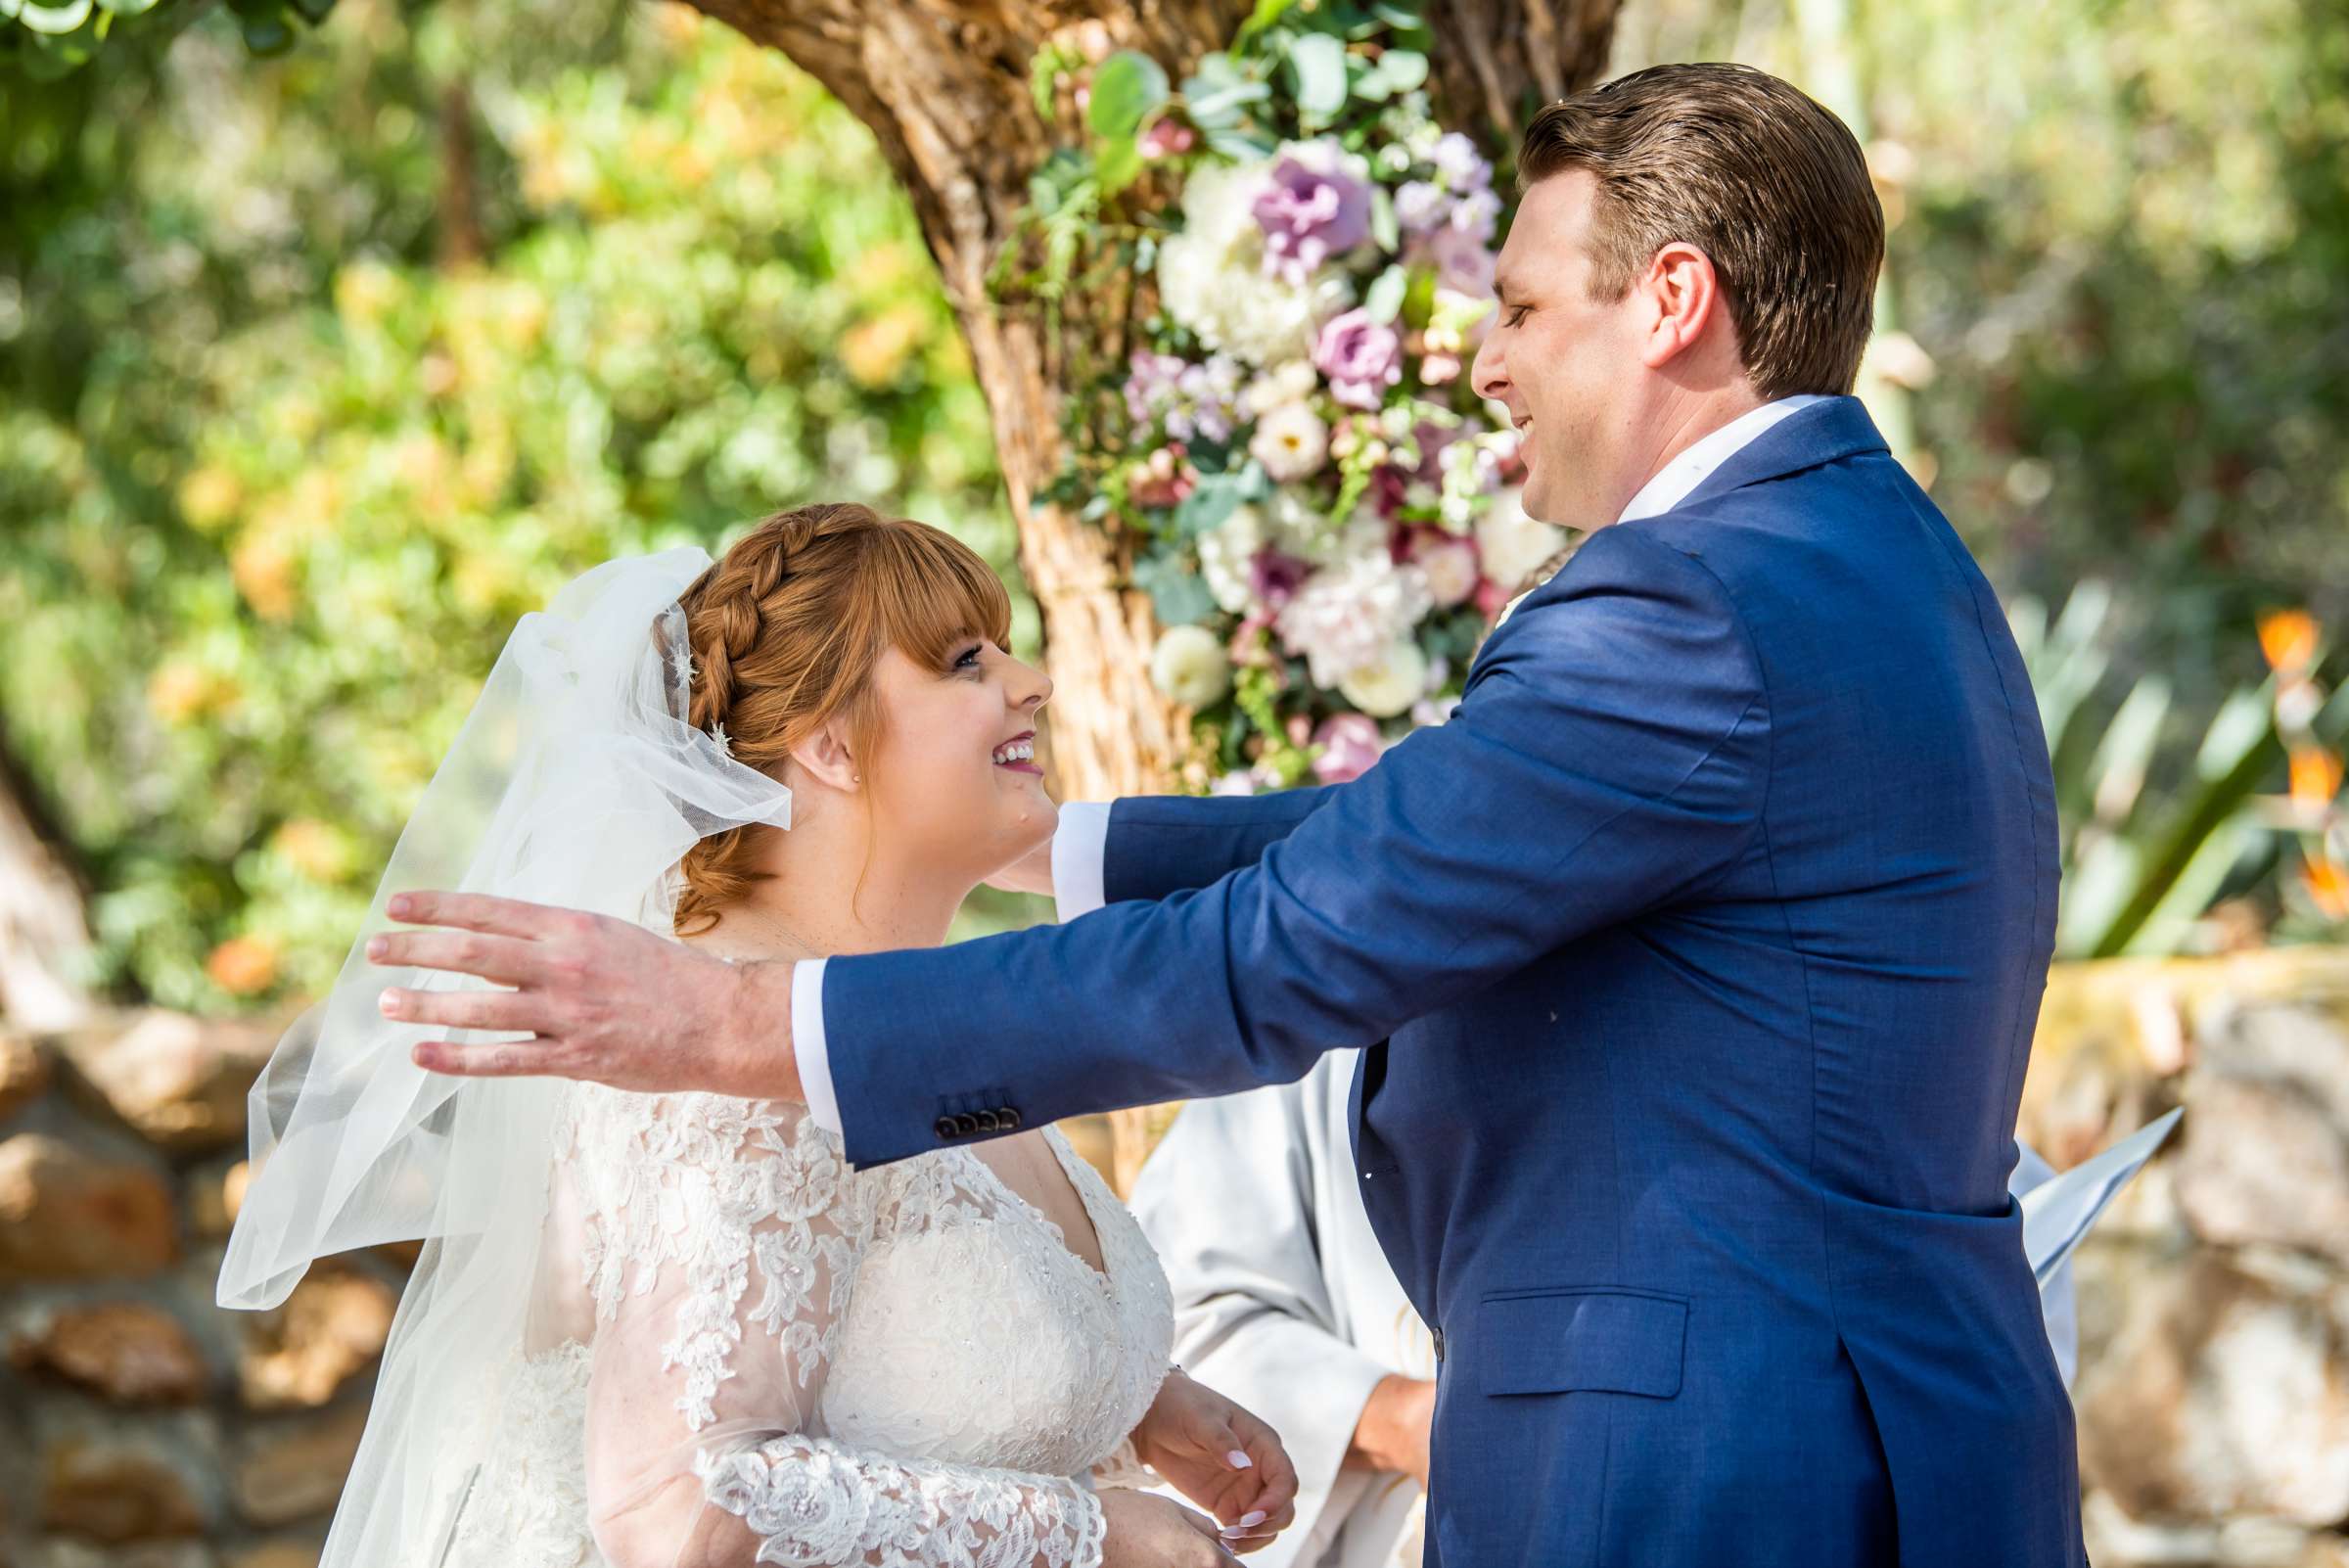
(601, 998)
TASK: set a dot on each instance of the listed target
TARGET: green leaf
(1267, 13)
(314, 12)
(1177, 597)
(127, 7)
(1383, 228)
(1403, 70)
(269, 35)
(1118, 165)
(1318, 61)
(1044, 71)
(1127, 87)
(1241, 147)
(1384, 301)
(52, 20)
(1216, 497)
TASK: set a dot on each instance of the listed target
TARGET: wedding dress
(750, 1353)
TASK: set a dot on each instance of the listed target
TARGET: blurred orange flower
(2289, 637)
(2316, 777)
(243, 965)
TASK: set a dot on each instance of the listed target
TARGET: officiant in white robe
(1284, 1302)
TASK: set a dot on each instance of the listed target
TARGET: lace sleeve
(726, 1253)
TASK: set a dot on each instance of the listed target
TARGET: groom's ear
(824, 756)
(1683, 303)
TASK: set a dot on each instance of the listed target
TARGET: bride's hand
(1193, 1435)
(1145, 1531)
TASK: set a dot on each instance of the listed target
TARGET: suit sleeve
(1609, 757)
(1165, 843)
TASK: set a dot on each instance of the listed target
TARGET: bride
(659, 1330)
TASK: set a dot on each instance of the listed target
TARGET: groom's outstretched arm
(1156, 844)
(1609, 757)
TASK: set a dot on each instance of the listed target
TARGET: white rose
(1291, 442)
(1227, 559)
(1189, 666)
(1390, 683)
(1289, 382)
(1449, 566)
(1511, 544)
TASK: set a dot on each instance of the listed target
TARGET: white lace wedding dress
(751, 1354)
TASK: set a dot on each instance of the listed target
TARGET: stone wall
(141, 1427)
(2214, 1296)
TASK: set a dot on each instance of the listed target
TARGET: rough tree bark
(944, 86)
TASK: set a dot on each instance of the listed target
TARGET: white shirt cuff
(1080, 845)
(808, 1046)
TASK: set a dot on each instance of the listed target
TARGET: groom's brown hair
(1764, 180)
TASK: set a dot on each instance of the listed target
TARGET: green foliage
(274, 484)
(45, 42)
(2161, 812)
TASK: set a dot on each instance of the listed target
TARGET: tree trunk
(944, 86)
(44, 933)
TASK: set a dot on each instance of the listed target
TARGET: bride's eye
(968, 659)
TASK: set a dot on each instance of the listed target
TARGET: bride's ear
(824, 756)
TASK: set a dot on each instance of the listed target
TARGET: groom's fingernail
(1239, 1460)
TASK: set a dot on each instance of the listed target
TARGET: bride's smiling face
(956, 779)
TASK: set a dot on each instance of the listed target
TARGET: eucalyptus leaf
(1384, 227)
(1403, 70)
(1216, 497)
(1267, 13)
(1384, 301)
(1127, 87)
(1318, 61)
(53, 20)
(1177, 597)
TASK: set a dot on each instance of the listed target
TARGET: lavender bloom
(1193, 400)
(1461, 166)
(1361, 358)
(1275, 578)
(1310, 213)
(1421, 208)
(1464, 264)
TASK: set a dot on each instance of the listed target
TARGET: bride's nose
(1032, 688)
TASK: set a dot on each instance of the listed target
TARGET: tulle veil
(577, 780)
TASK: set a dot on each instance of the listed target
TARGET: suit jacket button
(945, 1127)
(988, 1122)
(966, 1124)
(1009, 1118)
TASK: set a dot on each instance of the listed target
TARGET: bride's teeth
(1016, 752)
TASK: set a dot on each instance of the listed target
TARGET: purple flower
(1361, 358)
(1462, 166)
(1194, 401)
(1463, 264)
(1311, 213)
(1275, 578)
(1350, 743)
(1421, 208)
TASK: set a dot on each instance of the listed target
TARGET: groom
(1698, 954)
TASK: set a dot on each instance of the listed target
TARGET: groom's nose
(1488, 372)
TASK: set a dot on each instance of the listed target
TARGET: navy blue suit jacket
(1699, 955)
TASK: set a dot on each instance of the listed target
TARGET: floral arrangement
(1324, 513)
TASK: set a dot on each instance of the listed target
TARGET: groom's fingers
(504, 1011)
(507, 960)
(516, 1060)
(484, 912)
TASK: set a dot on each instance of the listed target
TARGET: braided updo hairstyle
(786, 629)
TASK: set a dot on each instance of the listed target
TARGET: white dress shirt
(1081, 843)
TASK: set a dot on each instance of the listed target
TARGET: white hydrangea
(1511, 544)
(1348, 614)
(1292, 380)
(1291, 442)
(1451, 567)
(1211, 276)
(1190, 667)
(1390, 683)
(1226, 554)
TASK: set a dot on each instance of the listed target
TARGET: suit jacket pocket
(1600, 1340)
